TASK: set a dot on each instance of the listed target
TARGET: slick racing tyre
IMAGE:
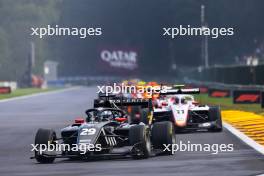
(215, 116)
(42, 137)
(162, 133)
(139, 138)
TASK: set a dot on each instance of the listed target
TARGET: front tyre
(44, 136)
(139, 137)
(162, 134)
(215, 116)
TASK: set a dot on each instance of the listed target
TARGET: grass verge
(25, 91)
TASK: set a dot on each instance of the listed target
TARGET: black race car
(106, 132)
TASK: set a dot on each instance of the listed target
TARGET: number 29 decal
(88, 131)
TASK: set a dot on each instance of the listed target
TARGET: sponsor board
(219, 93)
(5, 90)
(246, 97)
(118, 60)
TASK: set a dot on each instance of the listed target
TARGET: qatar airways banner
(118, 60)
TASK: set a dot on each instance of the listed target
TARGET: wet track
(20, 119)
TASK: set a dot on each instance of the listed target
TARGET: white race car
(180, 107)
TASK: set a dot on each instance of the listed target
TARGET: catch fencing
(242, 75)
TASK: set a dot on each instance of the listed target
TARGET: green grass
(227, 104)
(24, 91)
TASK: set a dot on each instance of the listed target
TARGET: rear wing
(121, 102)
(179, 91)
(106, 96)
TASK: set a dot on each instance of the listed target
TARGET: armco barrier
(219, 93)
(246, 97)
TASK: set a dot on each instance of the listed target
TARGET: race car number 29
(88, 131)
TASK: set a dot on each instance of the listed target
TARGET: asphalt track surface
(20, 119)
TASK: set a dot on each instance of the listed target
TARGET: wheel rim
(148, 145)
(173, 141)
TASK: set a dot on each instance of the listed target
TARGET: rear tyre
(42, 137)
(139, 138)
(215, 115)
(162, 133)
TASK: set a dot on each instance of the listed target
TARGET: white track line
(38, 94)
(245, 138)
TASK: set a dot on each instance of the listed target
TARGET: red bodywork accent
(196, 103)
(164, 104)
(79, 120)
(121, 119)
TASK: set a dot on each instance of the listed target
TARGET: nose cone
(180, 115)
